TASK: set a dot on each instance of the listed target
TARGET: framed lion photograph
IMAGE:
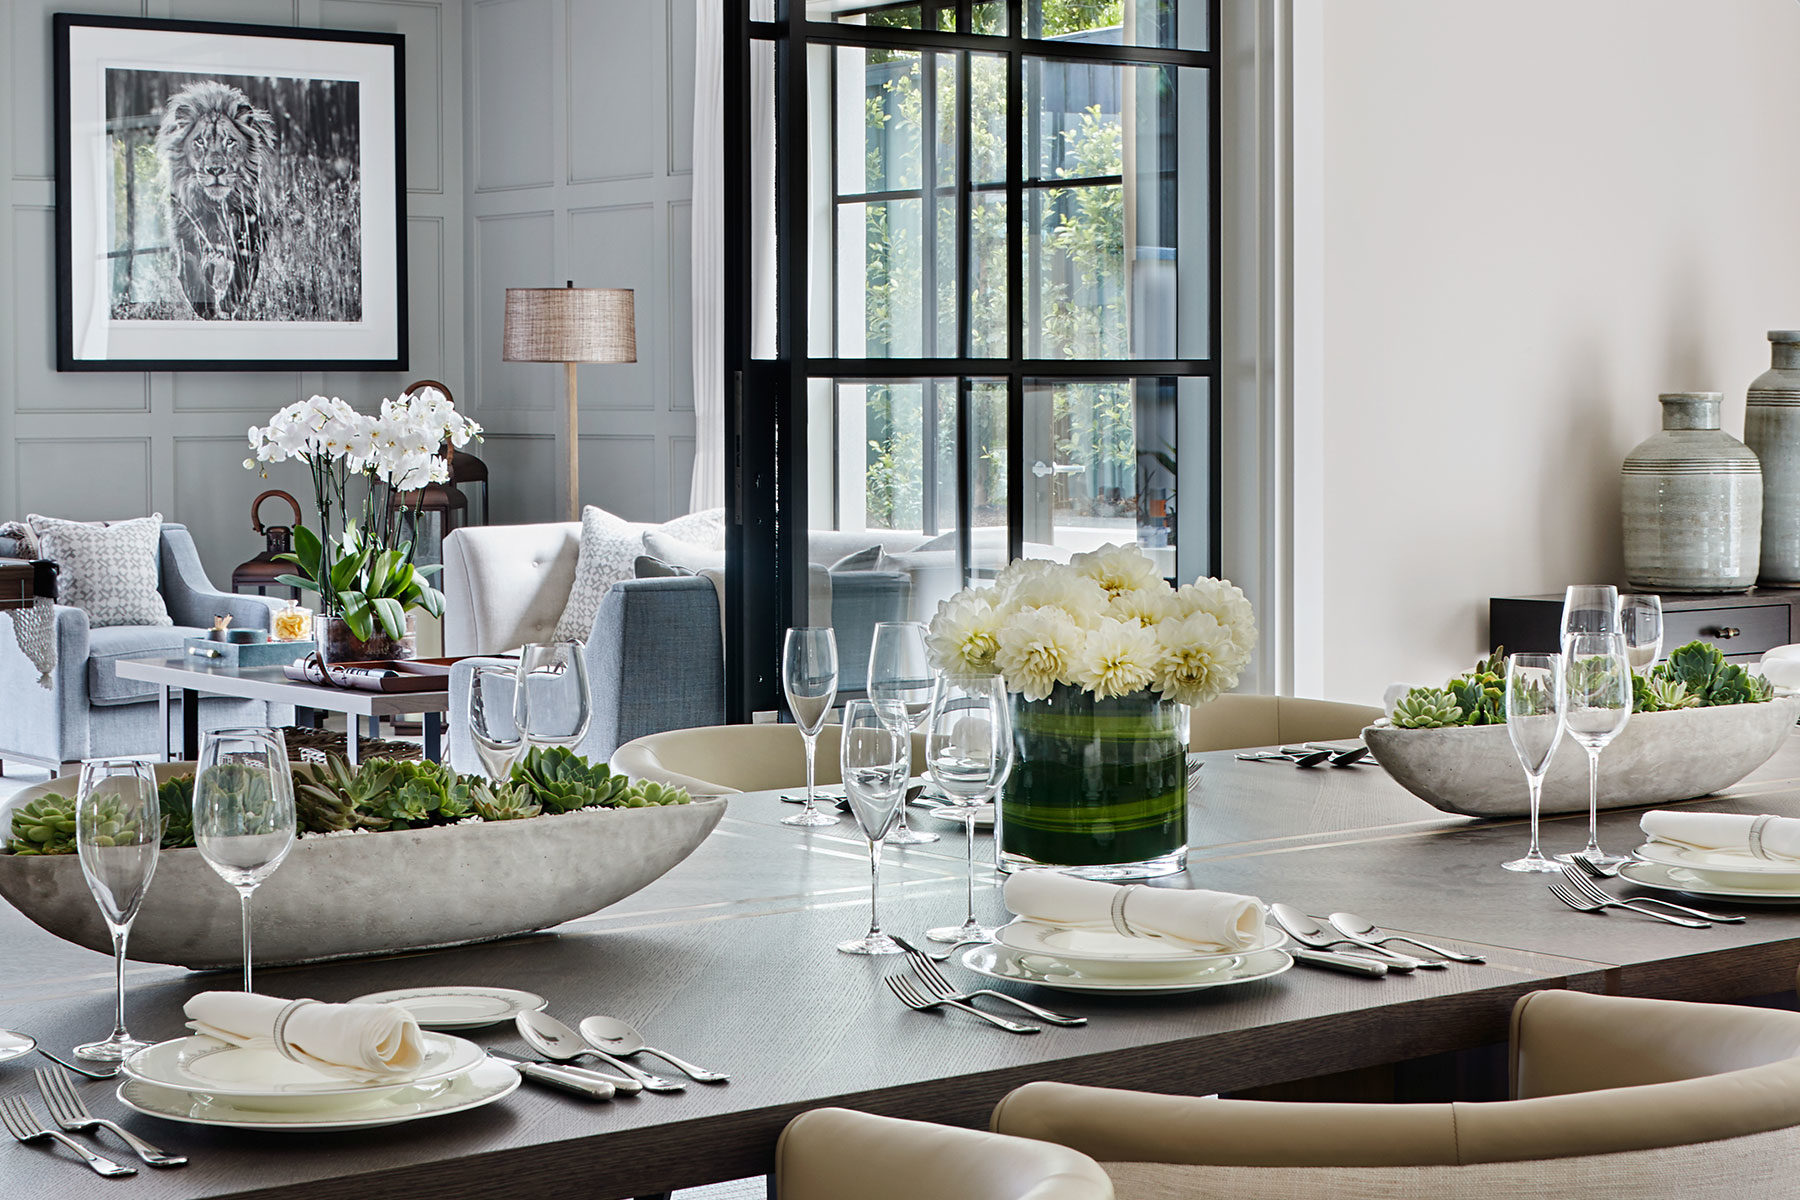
(229, 197)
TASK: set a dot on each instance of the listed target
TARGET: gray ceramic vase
(1772, 429)
(1693, 499)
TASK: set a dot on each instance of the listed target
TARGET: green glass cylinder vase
(1098, 787)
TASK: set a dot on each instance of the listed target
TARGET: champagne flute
(1641, 621)
(244, 811)
(1597, 677)
(900, 672)
(969, 754)
(809, 676)
(1536, 714)
(551, 702)
(118, 831)
(1590, 608)
(876, 756)
(498, 742)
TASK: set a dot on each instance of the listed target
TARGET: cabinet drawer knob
(1726, 632)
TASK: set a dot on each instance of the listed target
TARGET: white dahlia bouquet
(1104, 622)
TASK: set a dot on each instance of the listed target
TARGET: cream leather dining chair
(836, 1154)
(1613, 1096)
(1237, 722)
(720, 760)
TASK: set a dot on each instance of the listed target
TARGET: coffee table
(193, 677)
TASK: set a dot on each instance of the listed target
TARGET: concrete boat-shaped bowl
(373, 893)
(1657, 758)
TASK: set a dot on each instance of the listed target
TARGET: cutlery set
(1579, 891)
(1367, 942)
(70, 1116)
(598, 1038)
(927, 988)
(1314, 754)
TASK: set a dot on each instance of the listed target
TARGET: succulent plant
(336, 796)
(1427, 708)
(1652, 693)
(561, 781)
(176, 796)
(505, 802)
(44, 826)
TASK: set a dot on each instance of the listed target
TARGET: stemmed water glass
(1536, 703)
(900, 674)
(244, 811)
(551, 702)
(1590, 608)
(1597, 677)
(1641, 621)
(876, 757)
(809, 676)
(969, 753)
(498, 742)
(118, 830)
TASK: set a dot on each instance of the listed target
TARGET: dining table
(729, 960)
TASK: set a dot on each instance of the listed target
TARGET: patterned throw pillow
(705, 529)
(108, 570)
(610, 546)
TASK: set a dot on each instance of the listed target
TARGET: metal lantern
(262, 571)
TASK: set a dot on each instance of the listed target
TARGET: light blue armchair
(88, 711)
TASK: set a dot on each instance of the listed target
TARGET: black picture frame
(230, 286)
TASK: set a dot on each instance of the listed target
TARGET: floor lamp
(570, 325)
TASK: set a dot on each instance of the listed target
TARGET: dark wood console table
(1745, 625)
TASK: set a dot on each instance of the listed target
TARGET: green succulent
(336, 796)
(44, 826)
(1700, 669)
(561, 781)
(1427, 708)
(505, 802)
(176, 797)
(1655, 694)
(1481, 695)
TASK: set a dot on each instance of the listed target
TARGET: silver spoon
(612, 1034)
(1308, 932)
(1354, 926)
(89, 1072)
(552, 1039)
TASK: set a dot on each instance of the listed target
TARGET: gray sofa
(88, 711)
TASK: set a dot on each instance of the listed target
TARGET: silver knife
(1352, 964)
(591, 1084)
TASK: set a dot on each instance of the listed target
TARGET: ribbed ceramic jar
(1693, 503)
(1772, 429)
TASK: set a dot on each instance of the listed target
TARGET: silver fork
(1587, 887)
(912, 997)
(16, 1115)
(1583, 904)
(69, 1066)
(943, 989)
(67, 1110)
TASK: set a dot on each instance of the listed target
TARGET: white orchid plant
(362, 569)
(1104, 622)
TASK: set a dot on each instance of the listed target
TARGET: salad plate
(1660, 878)
(488, 1082)
(1733, 868)
(459, 1007)
(997, 962)
(261, 1077)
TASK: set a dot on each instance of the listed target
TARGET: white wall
(1537, 216)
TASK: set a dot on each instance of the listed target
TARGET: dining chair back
(1238, 722)
(1611, 1095)
(721, 760)
(831, 1153)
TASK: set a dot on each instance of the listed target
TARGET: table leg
(305, 718)
(374, 726)
(190, 725)
(434, 750)
(350, 736)
(162, 713)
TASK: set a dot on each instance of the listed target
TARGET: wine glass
(498, 742)
(809, 676)
(244, 811)
(551, 702)
(969, 753)
(1535, 720)
(1641, 621)
(900, 671)
(118, 830)
(876, 756)
(1590, 608)
(1597, 677)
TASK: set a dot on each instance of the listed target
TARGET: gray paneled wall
(580, 154)
(113, 445)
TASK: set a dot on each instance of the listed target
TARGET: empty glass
(118, 830)
(969, 754)
(1641, 621)
(900, 673)
(1597, 677)
(498, 742)
(551, 702)
(1589, 608)
(244, 811)
(809, 676)
(1535, 720)
(876, 757)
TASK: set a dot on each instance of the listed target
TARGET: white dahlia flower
(1118, 569)
(1039, 648)
(1119, 659)
(1200, 658)
(964, 635)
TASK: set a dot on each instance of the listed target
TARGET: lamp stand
(572, 447)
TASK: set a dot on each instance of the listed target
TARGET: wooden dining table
(729, 960)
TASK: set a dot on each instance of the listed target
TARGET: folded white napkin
(1766, 837)
(1204, 920)
(1781, 667)
(372, 1042)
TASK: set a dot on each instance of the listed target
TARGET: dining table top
(729, 960)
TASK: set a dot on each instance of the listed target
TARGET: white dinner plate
(258, 1077)
(1658, 877)
(1104, 952)
(1733, 868)
(997, 962)
(488, 1082)
(458, 1007)
(15, 1045)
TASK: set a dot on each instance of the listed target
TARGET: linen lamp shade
(570, 325)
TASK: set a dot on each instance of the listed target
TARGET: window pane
(1116, 247)
(1174, 24)
(988, 236)
(989, 17)
(986, 453)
